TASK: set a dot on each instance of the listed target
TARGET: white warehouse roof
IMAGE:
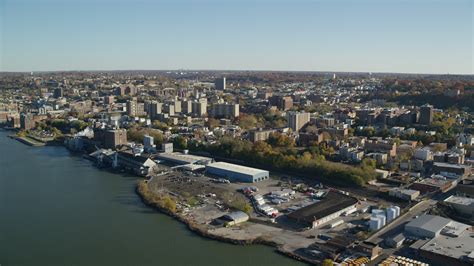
(430, 223)
(182, 158)
(236, 168)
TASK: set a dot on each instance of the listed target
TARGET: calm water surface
(57, 209)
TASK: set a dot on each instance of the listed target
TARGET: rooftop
(182, 158)
(332, 203)
(236, 168)
(429, 222)
(434, 182)
(460, 200)
(450, 165)
(455, 247)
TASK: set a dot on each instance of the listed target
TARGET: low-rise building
(260, 135)
(433, 185)
(405, 194)
(426, 226)
(457, 169)
(237, 173)
(329, 208)
(462, 205)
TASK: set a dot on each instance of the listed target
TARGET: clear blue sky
(420, 36)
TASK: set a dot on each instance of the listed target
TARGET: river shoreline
(193, 227)
(203, 232)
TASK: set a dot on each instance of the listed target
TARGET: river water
(57, 209)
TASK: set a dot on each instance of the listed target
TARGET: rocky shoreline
(145, 198)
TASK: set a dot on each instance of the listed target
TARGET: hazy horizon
(412, 37)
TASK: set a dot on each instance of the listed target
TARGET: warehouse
(426, 226)
(462, 205)
(177, 158)
(329, 208)
(236, 173)
(232, 218)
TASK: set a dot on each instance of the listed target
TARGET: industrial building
(237, 173)
(177, 158)
(405, 194)
(233, 218)
(450, 249)
(329, 208)
(448, 168)
(445, 242)
(140, 165)
(429, 185)
(395, 241)
(426, 226)
(462, 205)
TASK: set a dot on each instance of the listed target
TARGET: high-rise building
(187, 107)
(132, 107)
(283, 103)
(220, 83)
(141, 109)
(126, 90)
(297, 120)
(114, 138)
(169, 109)
(200, 107)
(177, 106)
(58, 93)
(109, 99)
(153, 108)
(225, 110)
(426, 114)
(286, 103)
(26, 121)
(13, 121)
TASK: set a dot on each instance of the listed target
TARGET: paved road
(397, 226)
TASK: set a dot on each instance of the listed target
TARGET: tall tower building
(297, 120)
(132, 107)
(58, 93)
(426, 114)
(26, 121)
(227, 110)
(220, 83)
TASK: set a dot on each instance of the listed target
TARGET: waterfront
(57, 209)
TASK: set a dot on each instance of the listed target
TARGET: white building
(424, 154)
(426, 226)
(462, 205)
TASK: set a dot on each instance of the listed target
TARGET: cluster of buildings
(335, 116)
(441, 240)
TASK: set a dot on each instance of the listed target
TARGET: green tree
(180, 142)
(169, 204)
(368, 164)
(247, 121)
(157, 137)
(212, 123)
(160, 125)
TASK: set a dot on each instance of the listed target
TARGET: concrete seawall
(28, 141)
